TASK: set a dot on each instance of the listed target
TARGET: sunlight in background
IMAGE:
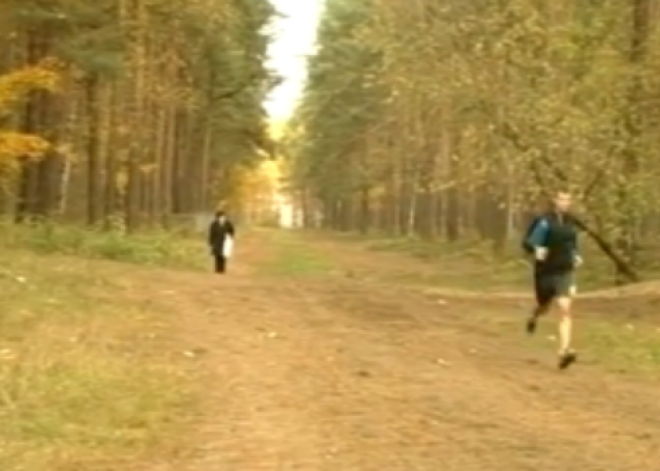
(295, 37)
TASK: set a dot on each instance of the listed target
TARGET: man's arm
(230, 229)
(577, 258)
(537, 239)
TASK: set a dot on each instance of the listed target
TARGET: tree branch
(606, 247)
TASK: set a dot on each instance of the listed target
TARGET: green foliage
(343, 98)
(484, 103)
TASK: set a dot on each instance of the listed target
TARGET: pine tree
(158, 102)
(451, 118)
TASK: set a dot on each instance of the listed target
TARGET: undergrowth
(150, 248)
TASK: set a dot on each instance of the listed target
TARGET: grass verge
(461, 264)
(86, 378)
(623, 347)
(618, 341)
(294, 257)
(158, 248)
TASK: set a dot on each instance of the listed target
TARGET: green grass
(624, 347)
(88, 378)
(294, 257)
(468, 264)
(609, 343)
(158, 248)
(470, 260)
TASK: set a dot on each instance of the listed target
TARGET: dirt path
(339, 375)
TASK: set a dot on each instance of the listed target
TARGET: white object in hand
(228, 247)
(541, 253)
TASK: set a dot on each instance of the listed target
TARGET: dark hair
(219, 214)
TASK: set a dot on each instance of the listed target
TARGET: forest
(381, 317)
(124, 113)
(452, 119)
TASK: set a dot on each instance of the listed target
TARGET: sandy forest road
(334, 374)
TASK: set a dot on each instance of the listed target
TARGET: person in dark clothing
(553, 240)
(221, 236)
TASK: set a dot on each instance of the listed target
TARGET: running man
(553, 241)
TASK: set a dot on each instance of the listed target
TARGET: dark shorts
(548, 286)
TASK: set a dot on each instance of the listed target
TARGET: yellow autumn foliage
(254, 187)
(259, 184)
(14, 144)
(14, 86)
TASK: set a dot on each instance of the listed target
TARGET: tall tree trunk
(93, 117)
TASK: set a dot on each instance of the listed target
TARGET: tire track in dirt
(332, 375)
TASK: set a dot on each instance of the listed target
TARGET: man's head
(562, 201)
(221, 216)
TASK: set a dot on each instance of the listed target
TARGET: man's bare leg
(566, 355)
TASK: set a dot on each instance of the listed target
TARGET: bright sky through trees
(295, 35)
